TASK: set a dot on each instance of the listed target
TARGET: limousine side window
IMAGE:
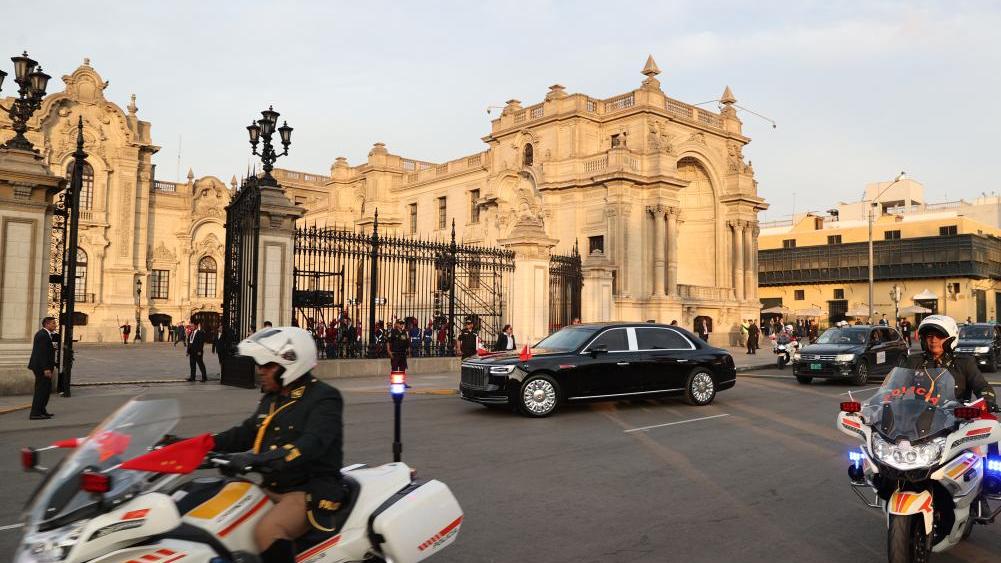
(615, 340)
(660, 339)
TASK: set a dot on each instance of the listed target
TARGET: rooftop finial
(651, 71)
(86, 61)
(727, 98)
(232, 181)
(132, 105)
(191, 175)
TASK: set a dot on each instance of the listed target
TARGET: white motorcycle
(926, 461)
(91, 508)
(785, 351)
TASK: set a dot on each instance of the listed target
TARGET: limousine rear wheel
(700, 389)
(539, 397)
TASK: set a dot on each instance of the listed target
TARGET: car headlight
(501, 370)
(981, 349)
(53, 546)
(844, 358)
(904, 455)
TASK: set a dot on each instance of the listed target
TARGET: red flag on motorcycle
(180, 457)
(526, 354)
(111, 443)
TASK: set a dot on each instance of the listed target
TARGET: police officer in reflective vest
(398, 346)
(296, 434)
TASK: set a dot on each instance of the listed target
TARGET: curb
(9, 410)
(132, 382)
(754, 367)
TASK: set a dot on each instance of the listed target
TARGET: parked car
(983, 342)
(600, 361)
(850, 352)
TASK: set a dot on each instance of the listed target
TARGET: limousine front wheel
(700, 389)
(539, 397)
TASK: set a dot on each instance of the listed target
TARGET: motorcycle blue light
(994, 465)
(856, 458)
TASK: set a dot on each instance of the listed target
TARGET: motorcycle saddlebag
(416, 522)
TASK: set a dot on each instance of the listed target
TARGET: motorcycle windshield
(128, 432)
(913, 404)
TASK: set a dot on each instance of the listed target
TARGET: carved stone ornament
(658, 137)
(697, 138)
(162, 254)
(209, 245)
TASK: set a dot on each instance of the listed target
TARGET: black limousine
(599, 361)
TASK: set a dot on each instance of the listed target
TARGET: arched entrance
(697, 231)
(703, 324)
(210, 321)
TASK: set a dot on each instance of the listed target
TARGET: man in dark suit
(43, 364)
(196, 347)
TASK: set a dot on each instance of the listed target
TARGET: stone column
(596, 296)
(738, 259)
(672, 251)
(754, 260)
(275, 258)
(27, 192)
(659, 232)
(529, 310)
(749, 270)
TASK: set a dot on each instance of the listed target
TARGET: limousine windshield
(567, 338)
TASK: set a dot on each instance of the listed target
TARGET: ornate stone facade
(130, 223)
(654, 190)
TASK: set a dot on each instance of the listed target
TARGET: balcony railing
(85, 298)
(704, 293)
(166, 187)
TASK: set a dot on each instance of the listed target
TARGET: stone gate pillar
(596, 296)
(529, 305)
(275, 258)
(27, 192)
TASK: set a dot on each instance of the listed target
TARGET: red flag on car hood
(180, 457)
(525, 354)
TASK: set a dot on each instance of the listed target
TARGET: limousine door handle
(681, 360)
(622, 363)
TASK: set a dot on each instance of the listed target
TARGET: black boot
(280, 552)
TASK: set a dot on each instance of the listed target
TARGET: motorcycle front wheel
(906, 541)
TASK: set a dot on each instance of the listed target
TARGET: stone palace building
(656, 193)
(165, 235)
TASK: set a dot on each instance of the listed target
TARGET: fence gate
(361, 283)
(239, 305)
(566, 279)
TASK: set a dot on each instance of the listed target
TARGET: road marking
(644, 428)
(11, 527)
(766, 376)
(861, 390)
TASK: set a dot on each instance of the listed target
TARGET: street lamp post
(871, 211)
(263, 130)
(895, 294)
(31, 83)
(139, 291)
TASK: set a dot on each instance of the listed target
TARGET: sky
(859, 90)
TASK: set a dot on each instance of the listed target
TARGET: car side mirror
(599, 349)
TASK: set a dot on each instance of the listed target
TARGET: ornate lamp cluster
(264, 128)
(31, 83)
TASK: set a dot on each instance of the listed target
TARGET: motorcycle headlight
(981, 349)
(844, 357)
(904, 455)
(501, 370)
(52, 546)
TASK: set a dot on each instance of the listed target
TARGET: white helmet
(290, 347)
(943, 324)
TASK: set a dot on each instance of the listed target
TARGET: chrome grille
(817, 357)
(475, 376)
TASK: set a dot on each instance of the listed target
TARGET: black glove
(239, 463)
(994, 407)
(167, 440)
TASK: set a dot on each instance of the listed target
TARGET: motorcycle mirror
(851, 406)
(29, 458)
(967, 413)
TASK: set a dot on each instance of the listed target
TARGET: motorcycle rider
(938, 335)
(294, 437)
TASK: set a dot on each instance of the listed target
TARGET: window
(947, 231)
(839, 293)
(615, 340)
(789, 243)
(442, 213)
(159, 284)
(615, 282)
(80, 291)
(834, 239)
(411, 275)
(528, 157)
(661, 339)
(474, 207)
(891, 235)
(798, 295)
(888, 335)
(300, 200)
(615, 141)
(87, 190)
(413, 218)
(206, 277)
(596, 244)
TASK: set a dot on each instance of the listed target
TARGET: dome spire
(651, 71)
(727, 98)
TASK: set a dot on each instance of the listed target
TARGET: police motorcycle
(926, 460)
(786, 347)
(117, 498)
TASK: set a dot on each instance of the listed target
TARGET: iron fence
(566, 279)
(349, 287)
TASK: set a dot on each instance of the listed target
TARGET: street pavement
(760, 474)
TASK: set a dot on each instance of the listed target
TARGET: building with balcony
(944, 257)
(656, 193)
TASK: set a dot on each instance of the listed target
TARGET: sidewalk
(747, 362)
